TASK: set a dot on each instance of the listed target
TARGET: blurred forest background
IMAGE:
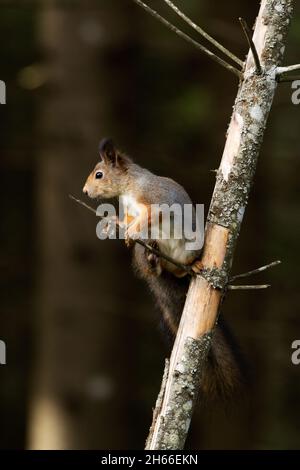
(84, 352)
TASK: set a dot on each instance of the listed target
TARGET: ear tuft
(107, 151)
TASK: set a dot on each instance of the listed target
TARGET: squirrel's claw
(197, 266)
(129, 238)
(154, 264)
(112, 223)
(131, 233)
(129, 242)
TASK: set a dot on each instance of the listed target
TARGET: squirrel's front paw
(131, 234)
(109, 226)
(129, 242)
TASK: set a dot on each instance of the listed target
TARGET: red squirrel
(116, 175)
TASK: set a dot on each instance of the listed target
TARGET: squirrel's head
(109, 178)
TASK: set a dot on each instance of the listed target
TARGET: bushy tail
(225, 369)
(225, 374)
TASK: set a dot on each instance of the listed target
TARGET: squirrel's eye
(99, 175)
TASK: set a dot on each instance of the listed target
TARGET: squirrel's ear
(107, 151)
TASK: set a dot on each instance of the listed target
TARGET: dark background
(84, 354)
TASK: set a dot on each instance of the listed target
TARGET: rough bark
(234, 179)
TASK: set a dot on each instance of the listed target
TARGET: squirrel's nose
(85, 191)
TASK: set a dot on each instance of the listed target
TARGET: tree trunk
(229, 200)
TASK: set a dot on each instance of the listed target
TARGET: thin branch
(287, 78)
(289, 68)
(249, 287)
(248, 35)
(283, 73)
(189, 269)
(83, 204)
(204, 34)
(184, 267)
(255, 271)
(188, 38)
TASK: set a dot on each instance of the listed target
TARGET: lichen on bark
(186, 376)
(248, 123)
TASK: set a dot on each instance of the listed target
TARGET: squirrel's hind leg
(146, 262)
(154, 260)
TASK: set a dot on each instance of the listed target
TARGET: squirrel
(116, 175)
